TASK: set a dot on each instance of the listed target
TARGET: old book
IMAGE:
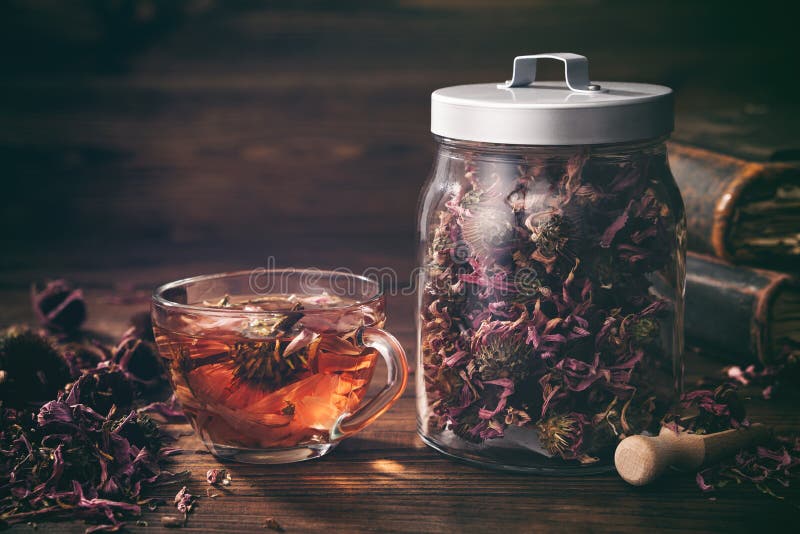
(739, 173)
(744, 313)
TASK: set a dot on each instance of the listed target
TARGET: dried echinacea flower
(139, 358)
(640, 330)
(59, 307)
(563, 435)
(550, 235)
(31, 369)
(102, 389)
(84, 355)
(88, 454)
(97, 465)
(547, 301)
(266, 363)
(502, 355)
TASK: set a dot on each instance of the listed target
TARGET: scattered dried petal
(273, 524)
(218, 476)
(184, 501)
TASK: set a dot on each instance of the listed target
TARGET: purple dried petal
(456, 358)
(116, 451)
(184, 501)
(619, 223)
(300, 341)
(626, 180)
(736, 373)
(701, 482)
(169, 409)
(507, 390)
(783, 457)
(55, 413)
(218, 476)
(106, 528)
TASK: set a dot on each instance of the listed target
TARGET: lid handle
(576, 72)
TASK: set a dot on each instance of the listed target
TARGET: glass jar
(552, 250)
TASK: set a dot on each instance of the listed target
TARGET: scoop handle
(640, 459)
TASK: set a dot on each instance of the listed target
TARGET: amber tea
(275, 373)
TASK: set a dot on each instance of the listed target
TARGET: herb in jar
(541, 307)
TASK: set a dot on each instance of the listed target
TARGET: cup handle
(395, 357)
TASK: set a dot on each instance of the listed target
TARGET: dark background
(135, 133)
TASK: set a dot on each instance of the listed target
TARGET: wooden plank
(385, 479)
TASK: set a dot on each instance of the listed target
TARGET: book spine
(711, 185)
(715, 188)
(728, 307)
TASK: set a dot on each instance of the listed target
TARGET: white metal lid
(574, 112)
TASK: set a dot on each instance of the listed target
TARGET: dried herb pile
(769, 467)
(547, 302)
(72, 443)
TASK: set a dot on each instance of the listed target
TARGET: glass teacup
(273, 366)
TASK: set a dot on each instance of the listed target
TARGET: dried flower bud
(69, 450)
(141, 327)
(101, 389)
(503, 358)
(563, 435)
(642, 330)
(59, 306)
(140, 360)
(32, 369)
(266, 362)
(501, 351)
(550, 234)
(84, 355)
(140, 430)
(516, 417)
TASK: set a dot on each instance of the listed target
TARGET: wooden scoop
(640, 459)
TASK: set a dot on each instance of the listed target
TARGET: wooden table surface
(385, 479)
(146, 141)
